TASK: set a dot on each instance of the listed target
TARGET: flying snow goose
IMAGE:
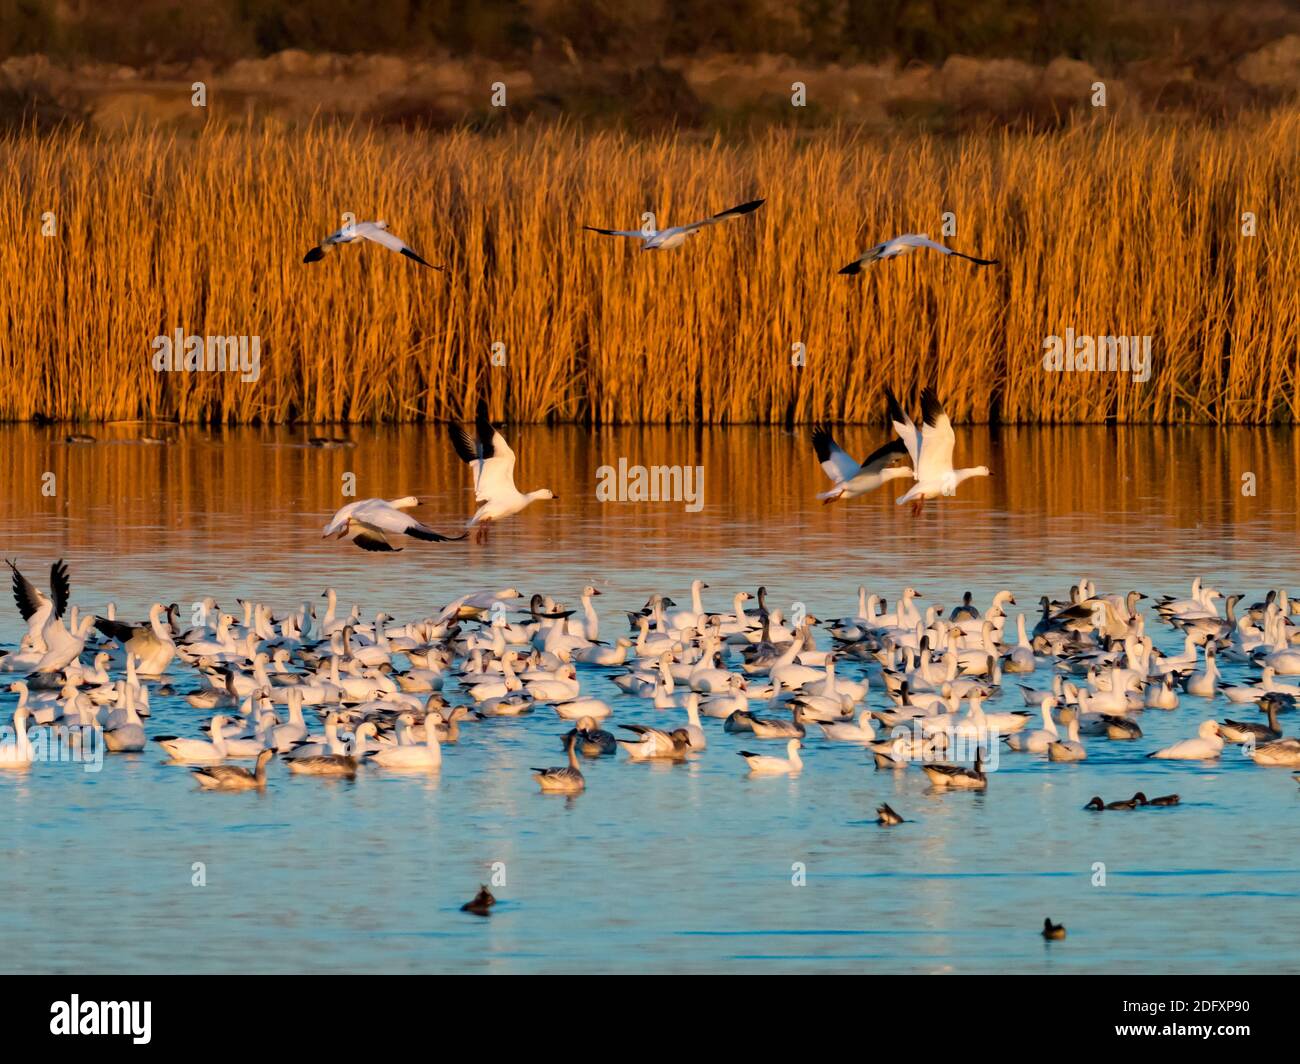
(370, 522)
(376, 231)
(493, 463)
(36, 607)
(848, 478)
(930, 448)
(902, 245)
(664, 239)
(150, 641)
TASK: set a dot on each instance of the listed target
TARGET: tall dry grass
(1102, 228)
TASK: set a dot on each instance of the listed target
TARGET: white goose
(18, 752)
(427, 755)
(767, 765)
(666, 239)
(373, 231)
(197, 751)
(1205, 747)
(930, 448)
(493, 463)
(1039, 740)
(850, 479)
(369, 523)
(902, 245)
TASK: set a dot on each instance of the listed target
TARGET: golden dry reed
(1104, 229)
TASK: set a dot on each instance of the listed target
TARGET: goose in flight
(930, 449)
(493, 463)
(675, 236)
(36, 607)
(848, 478)
(369, 523)
(902, 245)
(376, 231)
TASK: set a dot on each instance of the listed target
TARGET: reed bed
(1106, 229)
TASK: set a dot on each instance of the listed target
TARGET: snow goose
(695, 737)
(1021, 658)
(696, 615)
(1205, 683)
(599, 655)
(369, 523)
(848, 478)
(18, 752)
(37, 609)
(583, 709)
(68, 649)
(493, 464)
(930, 448)
(767, 765)
(1161, 695)
(197, 751)
(861, 732)
(567, 779)
(653, 744)
(675, 236)
(1207, 746)
(902, 245)
(373, 231)
(151, 641)
(416, 756)
(234, 777)
(124, 734)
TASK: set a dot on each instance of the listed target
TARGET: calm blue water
(680, 868)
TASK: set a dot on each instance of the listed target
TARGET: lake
(686, 868)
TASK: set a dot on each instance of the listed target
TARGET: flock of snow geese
(332, 694)
(923, 454)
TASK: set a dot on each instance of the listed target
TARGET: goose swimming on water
(567, 779)
(234, 777)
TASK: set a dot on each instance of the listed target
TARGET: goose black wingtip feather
(894, 411)
(314, 255)
(931, 408)
(822, 441)
(412, 255)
